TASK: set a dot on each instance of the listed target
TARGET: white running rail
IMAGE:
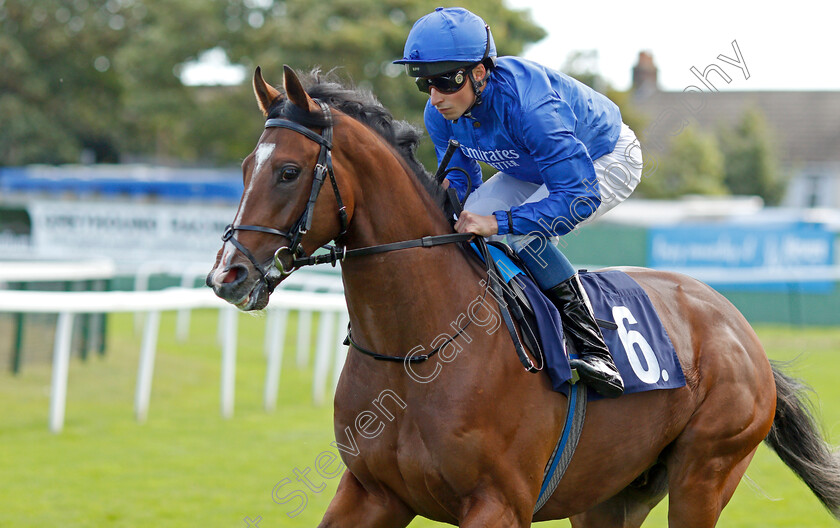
(68, 304)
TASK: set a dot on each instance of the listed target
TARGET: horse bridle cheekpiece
(286, 257)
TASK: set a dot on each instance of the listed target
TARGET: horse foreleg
(355, 507)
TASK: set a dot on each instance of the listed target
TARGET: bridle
(291, 257)
(284, 257)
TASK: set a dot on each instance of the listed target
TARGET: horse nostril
(232, 274)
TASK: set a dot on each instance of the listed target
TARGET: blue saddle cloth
(640, 346)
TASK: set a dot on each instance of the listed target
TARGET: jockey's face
(452, 106)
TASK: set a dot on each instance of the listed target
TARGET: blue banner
(763, 258)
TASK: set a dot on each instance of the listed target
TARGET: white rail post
(61, 364)
(67, 304)
(275, 339)
(304, 337)
(322, 355)
(146, 368)
(230, 318)
(182, 320)
(220, 328)
(141, 283)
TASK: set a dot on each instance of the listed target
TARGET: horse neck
(400, 294)
(391, 204)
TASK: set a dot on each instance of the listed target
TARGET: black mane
(362, 106)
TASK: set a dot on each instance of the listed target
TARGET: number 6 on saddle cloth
(632, 330)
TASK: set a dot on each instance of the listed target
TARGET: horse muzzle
(241, 287)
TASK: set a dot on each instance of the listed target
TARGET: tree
(361, 39)
(97, 75)
(750, 164)
(583, 66)
(47, 56)
(693, 165)
(102, 75)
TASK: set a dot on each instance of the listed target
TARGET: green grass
(186, 466)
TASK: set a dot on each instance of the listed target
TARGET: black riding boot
(595, 365)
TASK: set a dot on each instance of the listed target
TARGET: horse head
(281, 213)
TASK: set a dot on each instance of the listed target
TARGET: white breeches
(618, 174)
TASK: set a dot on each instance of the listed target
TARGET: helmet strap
(476, 86)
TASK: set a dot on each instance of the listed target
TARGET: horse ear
(294, 90)
(266, 94)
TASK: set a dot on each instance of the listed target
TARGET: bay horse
(463, 438)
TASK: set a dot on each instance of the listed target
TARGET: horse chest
(403, 441)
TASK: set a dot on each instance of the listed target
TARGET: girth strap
(403, 359)
(566, 444)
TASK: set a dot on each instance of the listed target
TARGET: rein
(337, 253)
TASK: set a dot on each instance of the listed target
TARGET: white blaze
(264, 151)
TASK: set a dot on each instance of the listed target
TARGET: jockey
(563, 154)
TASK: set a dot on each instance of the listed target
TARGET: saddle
(518, 291)
(503, 267)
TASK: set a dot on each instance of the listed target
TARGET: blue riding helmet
(445, 40)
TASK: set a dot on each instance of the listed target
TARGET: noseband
(284, 257)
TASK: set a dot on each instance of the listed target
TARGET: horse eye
(288, 172)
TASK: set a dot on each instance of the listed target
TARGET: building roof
(805, 124)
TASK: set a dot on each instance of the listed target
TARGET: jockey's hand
(477, 224)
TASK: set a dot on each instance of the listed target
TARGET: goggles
(446, 83)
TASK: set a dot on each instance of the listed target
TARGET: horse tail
(798, 440)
